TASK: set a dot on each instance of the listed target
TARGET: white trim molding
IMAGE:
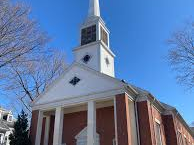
(157, 121)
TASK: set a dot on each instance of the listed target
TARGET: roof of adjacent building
(3, 125)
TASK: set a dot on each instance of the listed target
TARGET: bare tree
(19, 35)
(181, 55)
(27, 67)
(27, 80)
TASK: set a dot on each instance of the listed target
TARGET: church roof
(168, 107)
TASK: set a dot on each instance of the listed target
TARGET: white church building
(88, 105)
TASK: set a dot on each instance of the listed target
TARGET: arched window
(81, 138)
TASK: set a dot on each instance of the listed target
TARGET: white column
(58, 128)
(47, 128)
(91, 128)
(39, 128)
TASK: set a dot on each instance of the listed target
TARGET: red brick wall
(33, 126)
(157, 115)
(144, 123)
(170, 132)
(43, 131)
(106, 125)
(51, 131)
(179, 126)
(172, 125)
(75, 122)
(123, 120)
(147, 114)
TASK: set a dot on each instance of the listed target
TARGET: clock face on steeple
(88, 35)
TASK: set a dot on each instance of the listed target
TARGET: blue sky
(139, 31)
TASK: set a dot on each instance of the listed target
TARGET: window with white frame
(10, 118)
(185, 141)
(180, 138)
(158, 134)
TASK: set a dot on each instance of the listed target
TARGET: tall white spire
(94, 8)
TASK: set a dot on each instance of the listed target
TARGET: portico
(92, 120)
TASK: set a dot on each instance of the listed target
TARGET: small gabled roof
(175, 112)
(168, 107)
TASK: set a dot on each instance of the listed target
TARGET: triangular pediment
(90, 82)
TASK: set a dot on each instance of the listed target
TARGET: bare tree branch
(27, 67)
(181, 55)
(27, 80)
(19, 35)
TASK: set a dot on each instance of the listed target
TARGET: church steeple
(94, 50)
(94, 8)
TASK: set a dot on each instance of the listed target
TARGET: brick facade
(144, 123)
(51, 132)
(148, 116)
(170, 131)
(43, 131)
(183, 130)
(33, 126)
(123, 120)
(173, 126)
(75, 122)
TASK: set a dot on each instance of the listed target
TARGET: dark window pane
(86, 58)
(74, 81)
(88, 35)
